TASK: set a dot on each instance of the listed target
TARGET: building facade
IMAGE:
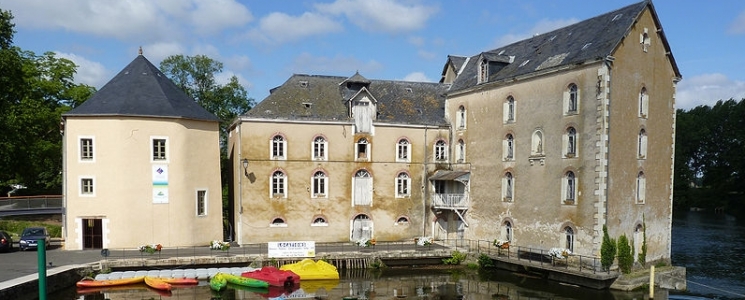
(141, 166)
(542, 143)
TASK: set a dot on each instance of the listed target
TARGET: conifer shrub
(642, 257)
(625, 255)
(607, 250)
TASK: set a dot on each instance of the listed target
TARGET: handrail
(30, 202)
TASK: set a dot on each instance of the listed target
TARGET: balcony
(450, 201)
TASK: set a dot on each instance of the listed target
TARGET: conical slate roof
(141, 90)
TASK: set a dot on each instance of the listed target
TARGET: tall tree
(37, 89)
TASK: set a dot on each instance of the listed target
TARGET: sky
(264, 42)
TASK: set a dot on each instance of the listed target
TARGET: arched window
(461, 119)
(572, 99)
(569, 234)
(441, 151)
(484, 71)
(509, 110)
(643, 103)
(319, 184)
(402, 221)
(278, 222)
(570, 188)
(278, 147)
(278, 187)
(537, 143)
(508, 187)
(507, 231)
(571, 139)
(644, 40)
(642, 153)
(319, 148)
(319, 221)
(403, 185)
(509, 147)
(403, 150)
(641, 188)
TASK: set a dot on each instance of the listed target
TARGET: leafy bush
(485, 261)
(625, 256)
(607, 250)
(456, 258)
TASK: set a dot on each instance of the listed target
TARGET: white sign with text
(292, 249)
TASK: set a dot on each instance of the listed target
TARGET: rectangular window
(159, 149)
(319, 148)
(201, 203)
(86, 186)
(86, 149)
(441, 151)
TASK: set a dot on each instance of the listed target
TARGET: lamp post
(245, 166)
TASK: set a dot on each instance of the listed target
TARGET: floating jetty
(197, 273)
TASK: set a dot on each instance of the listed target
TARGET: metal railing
(541, 257)
(30, 202)
(459, 201)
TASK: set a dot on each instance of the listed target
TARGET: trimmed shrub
(625, 255)
(607, 250)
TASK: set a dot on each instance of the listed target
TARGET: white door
(362, 228)
(362, 188)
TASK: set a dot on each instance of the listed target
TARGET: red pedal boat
(274, 276)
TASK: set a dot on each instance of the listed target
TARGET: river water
(711, 247)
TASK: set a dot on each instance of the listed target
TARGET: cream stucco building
(541, 142)
(141, 166)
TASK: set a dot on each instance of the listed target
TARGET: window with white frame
(483, 71)
(461, 151)
(508, 151)
(461, 117)
(86, 149)
(441, 151)
(642, 144)
(278, 147)
(569, 187)
(571, 99)
(569, 237)
(160, 149)
(570, 143)
(403, 151)
(363, 149)
(508, 187)
(319, 185)
(319, 148)
(403, 185)
(278, 188)
(86, 186)
(509, 110)
(319, 221)
(201, 203)
(641, 188)
(402, 221)
(536, 148)
(643, 103)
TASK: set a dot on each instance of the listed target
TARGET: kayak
(274, 276)
(180, 281)
(157, 283)
(220, 280)
(88, 282)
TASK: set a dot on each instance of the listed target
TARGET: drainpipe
(64, 179)
(239, 225)
(425, 181)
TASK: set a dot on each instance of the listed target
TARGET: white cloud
(88, 72)
(427, 55)
(416, 41)
(141, 20)
(541, 27)
(224, 78)
(159, 51)
(738, 25)
(707, 89)
(338, 65)
(280, 28)
(417, 77)
(381, 15)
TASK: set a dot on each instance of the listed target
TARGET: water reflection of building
(541, 142)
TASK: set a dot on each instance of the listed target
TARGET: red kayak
(274, 276)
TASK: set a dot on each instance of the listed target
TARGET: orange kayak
(157, 283)
(90, 282)
(180, 281)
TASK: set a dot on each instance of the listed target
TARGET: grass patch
(15, 227)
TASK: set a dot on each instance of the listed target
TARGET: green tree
(607, 250)
(625, 254)
(37, 89)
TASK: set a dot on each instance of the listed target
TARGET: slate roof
(586, 41)
(141, 90)
(325, 98)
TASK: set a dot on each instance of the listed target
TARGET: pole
(651, 282)
(41, 253)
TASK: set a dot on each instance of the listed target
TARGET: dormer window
(484, 71)
(363, 112)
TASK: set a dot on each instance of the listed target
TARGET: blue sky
(265, 42)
